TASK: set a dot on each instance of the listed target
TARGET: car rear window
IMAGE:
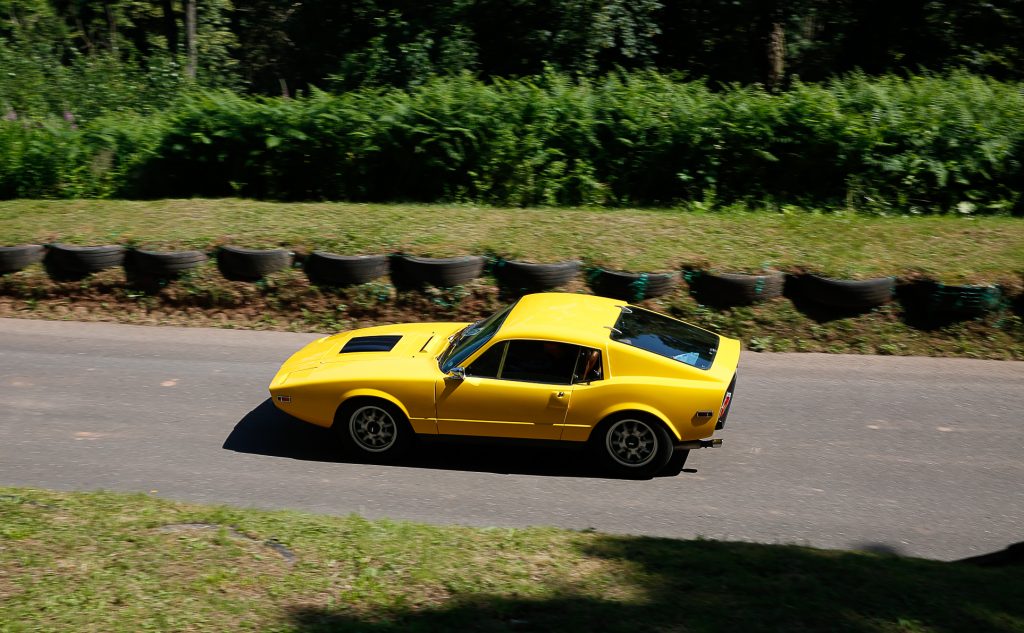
(666, 337)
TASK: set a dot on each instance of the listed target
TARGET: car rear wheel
(634, 446)
(374, 429)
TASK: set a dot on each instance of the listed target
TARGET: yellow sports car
(638, 386)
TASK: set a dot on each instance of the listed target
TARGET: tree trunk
(111, 24)
(190, 39)
(776, 56)
(81, 29)
(170, 26)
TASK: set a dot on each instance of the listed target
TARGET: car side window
(488, 363)
(540, 361)
(588, 368)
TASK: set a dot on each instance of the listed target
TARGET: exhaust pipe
(712, 443)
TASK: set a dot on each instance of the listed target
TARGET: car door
(514, 389)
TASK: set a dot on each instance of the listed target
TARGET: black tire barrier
(733, 289)
(251, 264)
(64, 261)
(530, 276)
(846, 294)
(162, 264)
(15, 258)
(1017, 305)
(328, 269)
(932, 301)
(408, 271)
(629, 286)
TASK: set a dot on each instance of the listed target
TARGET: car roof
(574, 318)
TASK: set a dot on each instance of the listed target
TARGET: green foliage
(86, 59)
(60, 55)
(925, 144)
(728, 41)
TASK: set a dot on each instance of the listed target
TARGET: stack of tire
(522, 277)
(147, 265)
(329, 269)
(840, 296)
(68, 262)
(930, 303)
(410, 272)
(251, 264)
(15, 258)
(723, 289)
(629, 286)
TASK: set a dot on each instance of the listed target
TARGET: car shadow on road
(266, 430)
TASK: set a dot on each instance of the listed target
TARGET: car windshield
(470, 339)
(666, 337)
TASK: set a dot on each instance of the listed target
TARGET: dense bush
(924, 144)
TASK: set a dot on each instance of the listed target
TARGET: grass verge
(988, 249)
(951, 249)
(113, 562)
(287, 301)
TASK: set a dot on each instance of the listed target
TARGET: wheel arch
(634, 408)
(356, 395)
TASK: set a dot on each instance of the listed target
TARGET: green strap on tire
(639, 287)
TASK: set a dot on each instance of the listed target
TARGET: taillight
(726, 402)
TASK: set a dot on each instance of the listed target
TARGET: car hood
(373, 344)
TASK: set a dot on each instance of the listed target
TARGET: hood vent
(371, 344)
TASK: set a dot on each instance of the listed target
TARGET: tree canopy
(138, 51)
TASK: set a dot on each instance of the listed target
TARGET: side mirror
(457, 373)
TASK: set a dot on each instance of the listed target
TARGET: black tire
(75, 262)
(445, 272)
(373, 429)
(251, 264)
(632, 445)
(529, 276)
(15, 258)
(932, 300)
(162, 264)
(734, 289)
(847, 294)
(328, 269)
(630, 286)
(1017, 305)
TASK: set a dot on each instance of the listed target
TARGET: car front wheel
(633, 446)
(374, 429)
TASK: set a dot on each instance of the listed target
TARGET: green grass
(953, 249)
(108, 562)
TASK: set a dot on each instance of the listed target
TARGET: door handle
(558, 400)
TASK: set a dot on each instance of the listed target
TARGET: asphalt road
(911, 455)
